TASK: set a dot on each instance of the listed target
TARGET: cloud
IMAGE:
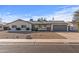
(65, 14)
(10, 18)
(8, 13)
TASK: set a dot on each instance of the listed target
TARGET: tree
(76, 15)
(38, 19)
(41, 19)
(44, 19)
(31, 19)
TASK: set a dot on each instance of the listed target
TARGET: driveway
(69, 35)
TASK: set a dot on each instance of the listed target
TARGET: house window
(0, 26)
(40, 26)
(23, 26)
(14, 26)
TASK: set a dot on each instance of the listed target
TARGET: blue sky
(10, 13)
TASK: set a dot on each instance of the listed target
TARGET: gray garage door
(60, 27)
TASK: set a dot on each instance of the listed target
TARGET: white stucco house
(1, 27)
(75, 25)
(21, 25)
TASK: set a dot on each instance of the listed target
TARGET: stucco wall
(75, 27)
(19, 23)
(2, 27)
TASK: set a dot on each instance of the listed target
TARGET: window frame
(23, 26)
(14, 26)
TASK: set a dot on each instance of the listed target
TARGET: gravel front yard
(35, 35)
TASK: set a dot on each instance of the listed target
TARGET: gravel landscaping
(34, 35)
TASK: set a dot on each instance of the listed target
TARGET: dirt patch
(35, 35)
(47, 35)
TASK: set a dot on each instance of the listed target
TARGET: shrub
(36, 29)
(9, 28)
(27, 28)
(29, 36)
(18, 28)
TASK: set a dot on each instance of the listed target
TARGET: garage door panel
(60, 27)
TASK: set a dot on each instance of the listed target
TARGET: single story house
(75, 25)
(50, 25)
(22, 25)
(1, 27)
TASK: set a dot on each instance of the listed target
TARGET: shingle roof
(38, 22)
(47, 22)
(19, 20)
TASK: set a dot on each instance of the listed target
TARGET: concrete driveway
(69, 35)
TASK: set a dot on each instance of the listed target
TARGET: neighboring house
(70, 26)
(1, 27)
(37, 25)
(75, 25)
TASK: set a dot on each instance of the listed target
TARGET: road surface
(26, 48)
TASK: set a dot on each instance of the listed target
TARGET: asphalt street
(29, 48)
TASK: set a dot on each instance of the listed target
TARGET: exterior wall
(51, 27)
(78, 26)
(18, 24)
(42, 26)
(70, 26)
(75, 28)
(1, 27)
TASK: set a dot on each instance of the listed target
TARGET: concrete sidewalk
(37, 41)
(39, 46)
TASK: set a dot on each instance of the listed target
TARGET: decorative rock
(17, 36)
(28, 36)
